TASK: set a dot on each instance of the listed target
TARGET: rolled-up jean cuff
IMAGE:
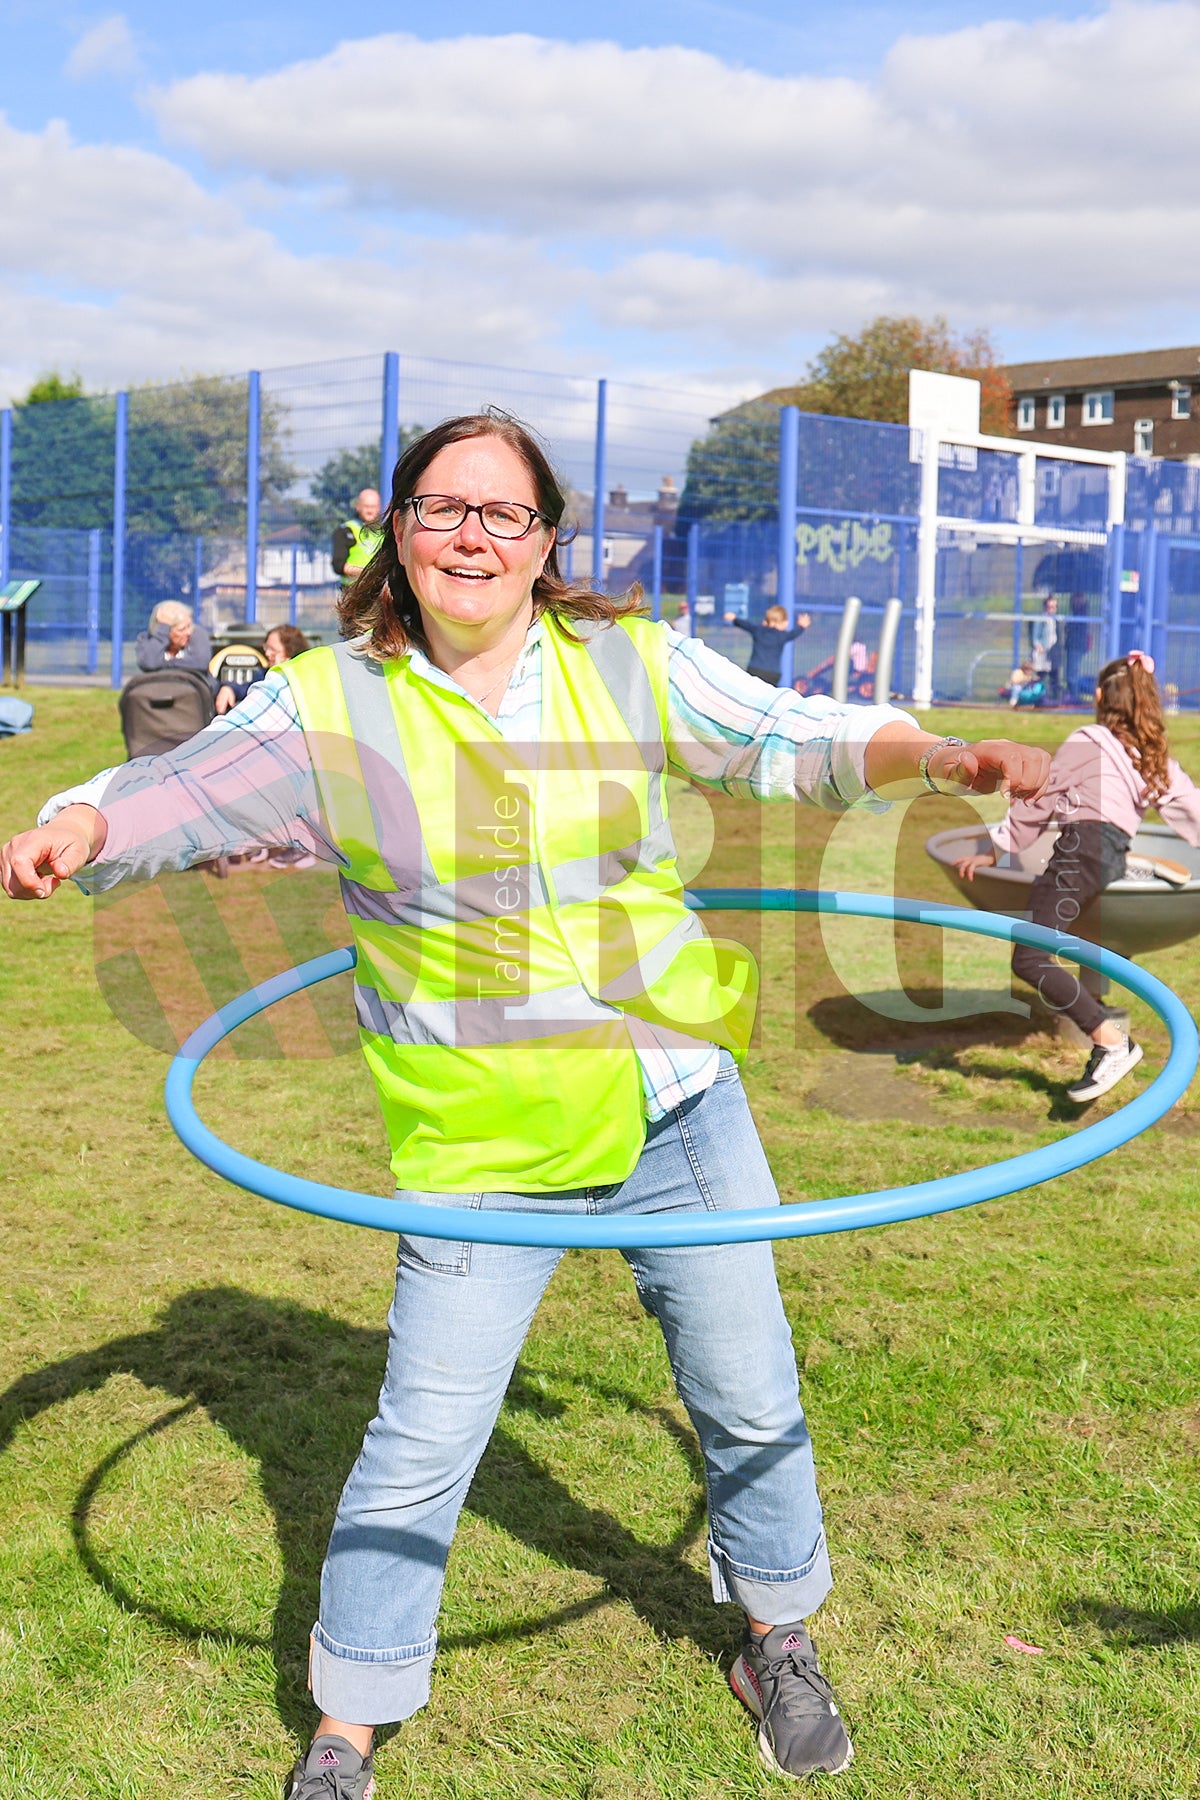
(772, 1596)
(369, 1687)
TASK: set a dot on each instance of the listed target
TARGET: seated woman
(173, 640)
(281, 642)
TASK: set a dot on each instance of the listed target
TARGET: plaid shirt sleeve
(731, 731)
(245, 779)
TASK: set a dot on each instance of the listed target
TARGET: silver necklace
(504, 676)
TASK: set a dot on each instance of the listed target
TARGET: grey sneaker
(331, 1769)
(1105, 1067)
(801, 1731)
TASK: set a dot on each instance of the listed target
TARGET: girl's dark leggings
(1087, 856)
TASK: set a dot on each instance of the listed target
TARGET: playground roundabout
(849, 1212)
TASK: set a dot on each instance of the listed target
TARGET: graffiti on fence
(843, 544)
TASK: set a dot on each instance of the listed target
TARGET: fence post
(294, 590)
(656, 575)
(1148, 587)
(926, 571)
(789, 482)
(1159, 617)
(389, 435)
(1116, 572)
(693, 574)
(601, 482)
(93, 602)
(197, 577)
(6, 495)
(120, 463)
(253, 427)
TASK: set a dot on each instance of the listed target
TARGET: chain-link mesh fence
(689, 503)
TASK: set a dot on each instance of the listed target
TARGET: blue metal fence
(224, 491)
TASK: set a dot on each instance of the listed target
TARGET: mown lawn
(1005, 1402)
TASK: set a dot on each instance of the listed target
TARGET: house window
(1143, 437)
(1098, 407)
(1056, 412)
(1181, 400)
(1026, 413)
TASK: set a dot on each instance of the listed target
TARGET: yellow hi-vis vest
(517, 910)
(365, 541)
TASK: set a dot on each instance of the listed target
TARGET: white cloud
(1005, 171)
(526, 129)
(527, 202)
(118, 263)
(107, 48)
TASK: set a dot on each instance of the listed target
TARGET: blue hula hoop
(805, 1219)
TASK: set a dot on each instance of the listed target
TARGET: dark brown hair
(381, 603)
(290, 637)
(1128, 704)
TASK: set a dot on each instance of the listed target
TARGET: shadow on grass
(294, 1388)
(1125, 1628)
(852, 1025)
(1060, 1110)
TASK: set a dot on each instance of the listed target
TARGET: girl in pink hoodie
(1102, 781)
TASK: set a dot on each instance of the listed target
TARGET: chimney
(619, 496)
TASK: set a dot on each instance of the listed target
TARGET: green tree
(186, 470)
(53, 386)
(187, 456)
(333, 488)
(865, 376)
(62, 461)
(732, 471)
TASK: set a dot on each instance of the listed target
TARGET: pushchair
(164, 708)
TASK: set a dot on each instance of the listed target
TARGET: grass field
(1005, 1402)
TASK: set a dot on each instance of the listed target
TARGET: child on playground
(1102, 781)
(1025, 686)
(768, 640)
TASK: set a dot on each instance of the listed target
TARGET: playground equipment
(886, 656)
(1139, 915)
(888, 1206)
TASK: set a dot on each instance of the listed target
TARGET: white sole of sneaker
(744, 1688)
(1094, 1089)
(1158, 868)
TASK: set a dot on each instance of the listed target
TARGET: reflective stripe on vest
(513, 900)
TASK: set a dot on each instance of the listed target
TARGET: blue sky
(701, 194)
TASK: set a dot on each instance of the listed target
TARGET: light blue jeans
(456, 1327)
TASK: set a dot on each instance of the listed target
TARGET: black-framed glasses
(499, 518)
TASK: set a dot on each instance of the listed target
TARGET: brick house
(1146, 402)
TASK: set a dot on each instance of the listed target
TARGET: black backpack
(164, 708)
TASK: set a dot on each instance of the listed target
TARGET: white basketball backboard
(943, 404)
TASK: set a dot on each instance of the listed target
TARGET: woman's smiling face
(464, 578)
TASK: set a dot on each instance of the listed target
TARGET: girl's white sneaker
(1107, 1064)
